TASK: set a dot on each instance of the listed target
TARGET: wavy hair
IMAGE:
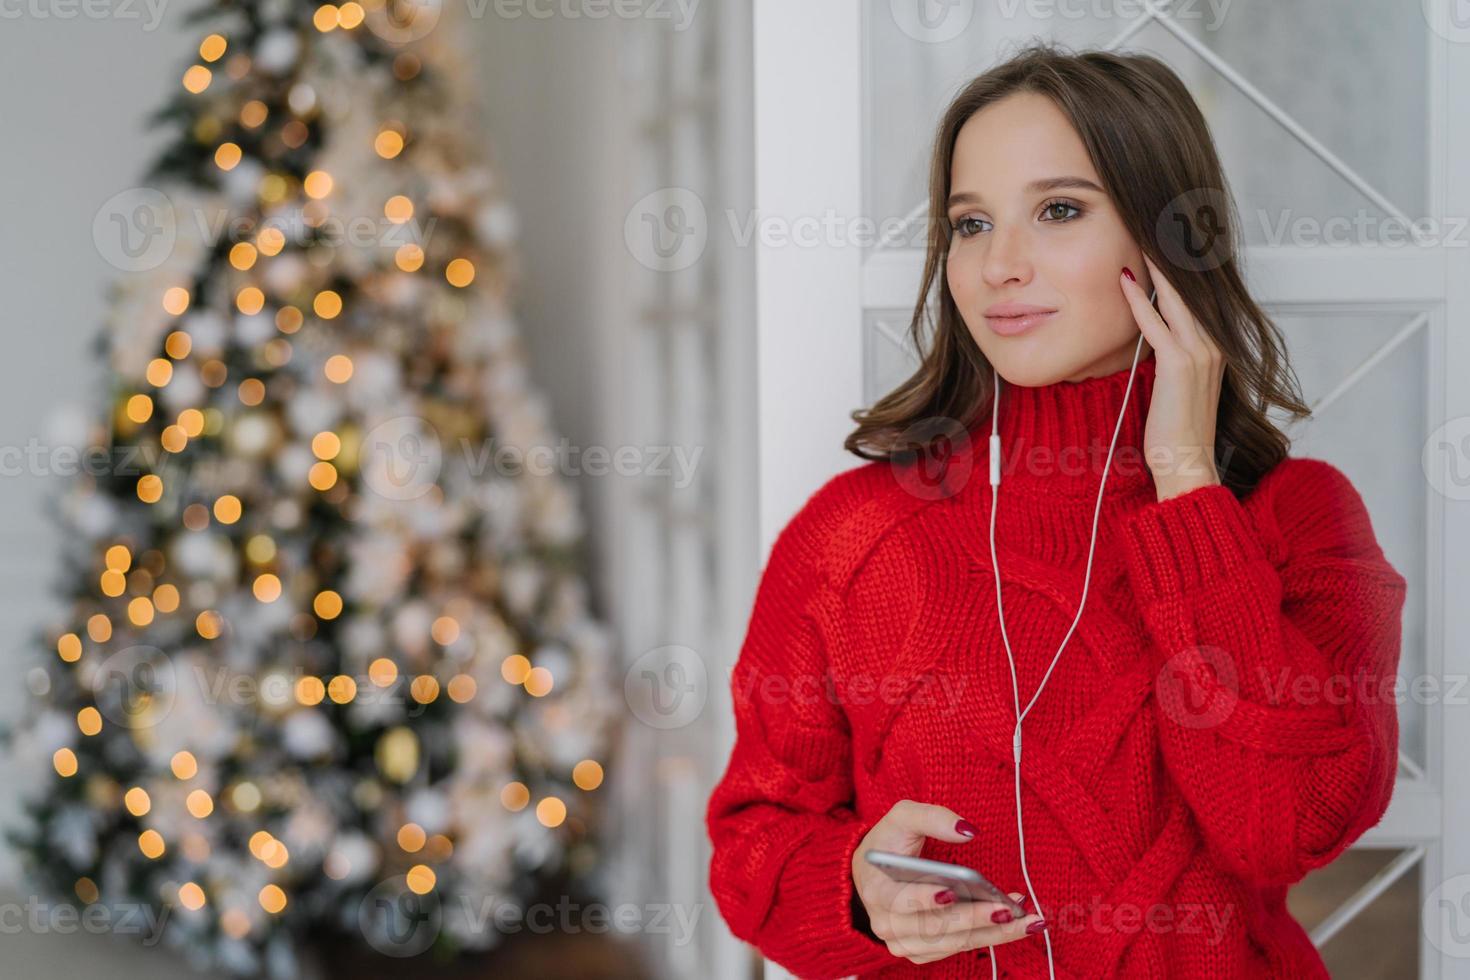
(1157, 161)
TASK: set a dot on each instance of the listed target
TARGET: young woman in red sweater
(1202, 685)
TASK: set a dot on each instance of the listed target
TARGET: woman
(1193, 659)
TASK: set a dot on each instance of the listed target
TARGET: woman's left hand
(1179, 437)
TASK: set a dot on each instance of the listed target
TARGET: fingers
(917, 907)
(914, 821)
(995, 935)
(1187, 331)
(1171, 304)
(918, 896)
(925, 947)
(1155, 330)
(961, 916)
(930, 934)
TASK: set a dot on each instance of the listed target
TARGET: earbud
(1000, 612)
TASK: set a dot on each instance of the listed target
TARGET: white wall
(554, 132)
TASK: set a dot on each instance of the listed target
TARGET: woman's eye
(1052, 207)
(965, 227)
(968, 227)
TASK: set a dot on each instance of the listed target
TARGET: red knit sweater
(1221, 722)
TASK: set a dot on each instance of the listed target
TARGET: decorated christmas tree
(327, 665)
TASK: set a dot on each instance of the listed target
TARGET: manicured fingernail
(1035, 927)
(963, 826)
(1129, 273)
(1000, 915)
(944, 897)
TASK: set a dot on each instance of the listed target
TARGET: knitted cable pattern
(1222, 721)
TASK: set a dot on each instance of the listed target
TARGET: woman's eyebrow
(1035, 187)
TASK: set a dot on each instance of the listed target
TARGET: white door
(1338, 121)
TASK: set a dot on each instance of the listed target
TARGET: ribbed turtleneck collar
(1055, 437)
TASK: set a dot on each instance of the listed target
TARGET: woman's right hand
(920, 922)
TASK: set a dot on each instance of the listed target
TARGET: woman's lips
(1010, 326)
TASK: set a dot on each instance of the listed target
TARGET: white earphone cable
(1000, 612)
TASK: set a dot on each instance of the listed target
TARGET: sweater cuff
(858, 912)
(1188, 542)
(848, 912)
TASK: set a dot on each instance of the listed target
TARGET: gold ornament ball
(398, 754)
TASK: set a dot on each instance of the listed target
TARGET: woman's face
(1034, 228)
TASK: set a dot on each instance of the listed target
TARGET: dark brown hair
(1157, 161)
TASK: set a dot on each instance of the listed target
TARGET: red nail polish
(1035, 927)
(1000, 915)
(1129, 273)
(963, 826)
(944, 897)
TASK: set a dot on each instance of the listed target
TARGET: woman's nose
(1007, 259)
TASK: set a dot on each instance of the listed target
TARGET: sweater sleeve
(1273, 680)
(782, 820)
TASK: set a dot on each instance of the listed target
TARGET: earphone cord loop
(1000, 612)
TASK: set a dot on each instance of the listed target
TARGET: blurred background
(402, 399)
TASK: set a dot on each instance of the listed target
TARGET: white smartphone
(966, 883)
